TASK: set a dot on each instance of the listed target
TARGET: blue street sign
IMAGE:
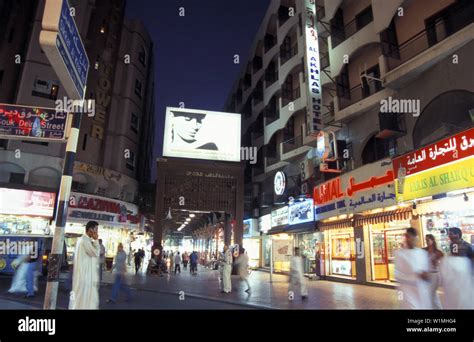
(72, 50)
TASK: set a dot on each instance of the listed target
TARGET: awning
(276, 230)
(301, 228)
(345, 223)
(386, 216)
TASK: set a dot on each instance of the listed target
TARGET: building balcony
(350, 45)
(424, 50)
(293, 148)
(359, 101)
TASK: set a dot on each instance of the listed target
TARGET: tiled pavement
(322, 294)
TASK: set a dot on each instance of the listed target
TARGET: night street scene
(303, 155)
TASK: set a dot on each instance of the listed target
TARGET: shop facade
(362, 224)
(438, 181)
(252, 242)
(118, 222)
(25, 215)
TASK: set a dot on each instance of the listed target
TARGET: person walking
(456, 273)
(101, 259)
(193, 260)
(138, 260)
(227, 270)
(297, 274)
(31, 266)
(85, 282)
(435, 256)
(120, 270)
(185, 258)
(177, 263)
(242, 263)
(412, 265)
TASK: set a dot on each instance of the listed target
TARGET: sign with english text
(24, 122)
(368, 187)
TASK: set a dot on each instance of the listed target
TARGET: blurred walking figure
(412, 265)
(138, 258)
(243, 266)
(185, 258)
(101, 259)
(193, 258)
(435, 256)
(221, 262)
(120, 269)
(456, 273)
(227, 270)
(177, 263)
(297, 275)
(19, 279)
(85, 281)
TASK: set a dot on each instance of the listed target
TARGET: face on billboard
(201, 134)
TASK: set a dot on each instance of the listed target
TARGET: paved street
(202, 292)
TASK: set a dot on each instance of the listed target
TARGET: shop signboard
(25, 202)
(265, 223)
(453, 176)
(368, 187)
(280, 216)
(282, 250)
(88, 207)
(440, 153)
(250, 228)
(301, 212)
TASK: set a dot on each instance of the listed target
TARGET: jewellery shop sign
(444, 166)
(368, 187)
(88, 207)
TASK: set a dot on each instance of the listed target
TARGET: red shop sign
(442, 152)
(328, 191)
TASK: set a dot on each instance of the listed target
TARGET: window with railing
(257, 63)
(289, 130)
(288, 49)
(283, 15)
(324, 60)
(292, 144)
(247, 81)
(257, 95)
(341, 32)
(271, 111)
(368, 87)
(271, 74)
(289, 93)
(437, 28)
(269, 42)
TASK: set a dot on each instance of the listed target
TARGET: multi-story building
(372, 52)
(115, 146)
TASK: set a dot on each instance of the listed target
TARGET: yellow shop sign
(450, 177)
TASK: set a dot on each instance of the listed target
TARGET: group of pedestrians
(420, 272)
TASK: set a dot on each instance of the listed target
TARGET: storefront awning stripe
(335, 224)
(383, 217)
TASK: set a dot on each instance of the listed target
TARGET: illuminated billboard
(202, 134)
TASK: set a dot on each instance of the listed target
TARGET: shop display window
(343, 255)
(24, 225)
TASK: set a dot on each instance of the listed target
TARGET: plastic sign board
(35, 123)
(62, 44)
(202, 134)
(314, 116)
(279, 183)
(26, 202)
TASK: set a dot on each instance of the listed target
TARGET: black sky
(194, 54)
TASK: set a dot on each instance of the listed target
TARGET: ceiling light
(188, 219)
(192, 215)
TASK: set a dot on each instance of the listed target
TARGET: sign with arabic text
(36, 123)
(26, 202)
(454, 176)
(444, 151)
(280, 217)
(368, 187)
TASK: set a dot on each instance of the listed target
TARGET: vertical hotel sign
(314, 121)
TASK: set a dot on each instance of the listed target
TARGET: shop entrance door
(394, 239)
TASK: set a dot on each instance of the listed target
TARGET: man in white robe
(85, 281)
(297, 279)
(227, 270)
(411, 271)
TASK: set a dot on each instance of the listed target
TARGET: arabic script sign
(368, 187)
(21, 122)
(455, 176)
(444, 151)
